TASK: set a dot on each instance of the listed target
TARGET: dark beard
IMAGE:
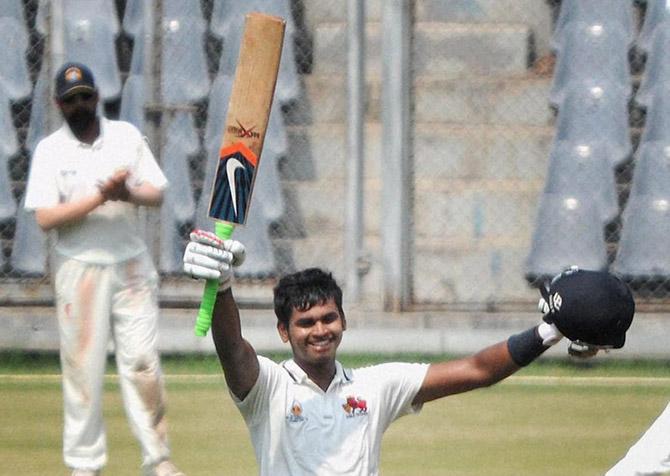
(80, 120)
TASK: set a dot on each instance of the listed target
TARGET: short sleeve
(42, 187)
(399, 382)
(256, 404)
(147, 169)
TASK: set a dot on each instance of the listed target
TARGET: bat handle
(204, 319)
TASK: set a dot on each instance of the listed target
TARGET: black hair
(304, 289)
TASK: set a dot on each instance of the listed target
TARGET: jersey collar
(299, 376)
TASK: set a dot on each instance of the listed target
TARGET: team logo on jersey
(355, 406)
(295, 413)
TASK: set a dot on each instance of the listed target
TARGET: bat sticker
(233, 184)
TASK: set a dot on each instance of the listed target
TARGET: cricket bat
(243, 135)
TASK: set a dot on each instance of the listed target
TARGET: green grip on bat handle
(204, 319)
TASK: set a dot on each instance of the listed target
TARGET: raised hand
(208, 257)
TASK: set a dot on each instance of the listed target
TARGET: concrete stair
(447, 49)
(534, 13)
(515, 100)
(482, 132)
(452, 160)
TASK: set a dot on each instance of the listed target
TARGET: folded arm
(145, 195)
(66, 213)
(117, 188)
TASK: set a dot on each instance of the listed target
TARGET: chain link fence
(485, 115)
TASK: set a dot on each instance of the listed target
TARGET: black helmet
(589, 307)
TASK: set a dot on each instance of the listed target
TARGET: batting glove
(548, 331)
(209, 257)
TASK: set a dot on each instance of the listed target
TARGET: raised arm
(208, 257)
(237, 356)
(488, 366)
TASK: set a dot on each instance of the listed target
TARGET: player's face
(79, 109)
(314, 334)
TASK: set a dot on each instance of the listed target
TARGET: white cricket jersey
(64, 169)
(298, 429)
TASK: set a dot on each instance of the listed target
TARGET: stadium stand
(657, 118)
(184, 68)
(90, 31)
(14, 75)
(591, 54)
(14, 9)
(103, 11)
(173, 10)
(584, 170)
(568, 231)
(39, 112)
(598, 114)
(132, 100)
(656, 14)
(656, 74)
(644, 249)
(180, 143)
(29, 253)
(643, 252)
(7, 203)
(610, 13)
(9, 144)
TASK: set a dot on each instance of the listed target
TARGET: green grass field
(551, 419)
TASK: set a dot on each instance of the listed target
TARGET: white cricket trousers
(650, 455)
(96, 303)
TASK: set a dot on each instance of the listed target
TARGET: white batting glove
(209, 257)
(549, 334)
(548, 331)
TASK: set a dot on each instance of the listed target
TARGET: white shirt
(298, 429)
(64, 169)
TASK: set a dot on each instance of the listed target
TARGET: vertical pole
(355, 227)
(55, 56)
(397, 170)
(153, 31)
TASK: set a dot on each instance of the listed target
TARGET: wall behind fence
(485, 115)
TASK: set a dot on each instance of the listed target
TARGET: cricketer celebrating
(310, 415)
(86, 181)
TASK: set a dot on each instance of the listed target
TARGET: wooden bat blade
(247, 117)
(243, 135)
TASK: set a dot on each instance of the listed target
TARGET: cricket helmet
(589, 307)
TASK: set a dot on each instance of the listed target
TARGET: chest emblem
(295, 413)
(355, 406)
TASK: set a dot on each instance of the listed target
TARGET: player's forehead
(318, 310)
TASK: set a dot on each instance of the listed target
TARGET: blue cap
(73, 78)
